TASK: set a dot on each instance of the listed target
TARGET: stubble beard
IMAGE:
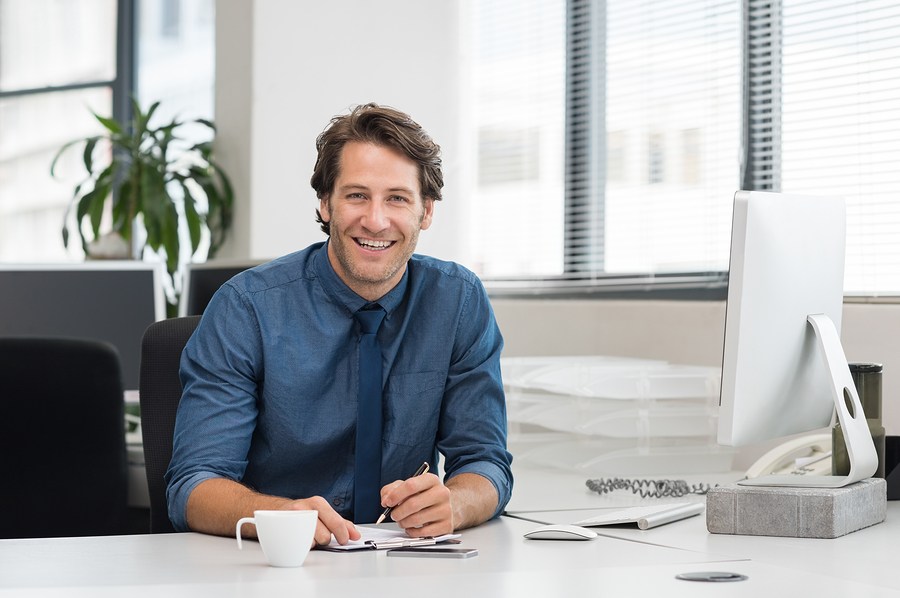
(364, 276)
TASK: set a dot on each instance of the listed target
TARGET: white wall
(284, 69)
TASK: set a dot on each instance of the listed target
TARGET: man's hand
(423, 506)
(330, 523)
(216, 504)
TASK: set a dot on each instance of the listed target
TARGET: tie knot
(369, 318)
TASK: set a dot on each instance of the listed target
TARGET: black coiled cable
(647, 488)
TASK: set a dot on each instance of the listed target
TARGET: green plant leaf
(141, 120)
(111, 125)
(170, 238)
(207, 123)
(91, 204)
(121, 210)
(87, 156)
(63, 150)
(154, 200)
(194, 222)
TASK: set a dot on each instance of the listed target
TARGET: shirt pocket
(413, 404)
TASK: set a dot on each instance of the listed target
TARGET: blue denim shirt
(270, 383)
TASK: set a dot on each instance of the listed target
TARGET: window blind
(672, 112)
(651, 106)
(840, 129)
(762, 91)
(671, 106)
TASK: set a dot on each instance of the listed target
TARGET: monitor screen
(112, 301)
(202, 280)
(783, 369)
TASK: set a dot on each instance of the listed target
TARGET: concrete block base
(795, 512)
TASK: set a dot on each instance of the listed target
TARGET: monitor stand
(860, 447)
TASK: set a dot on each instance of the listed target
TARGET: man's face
(375, 211)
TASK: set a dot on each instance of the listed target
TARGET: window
(58, 60)
(176, 57)
(840, 125)
(668, 107)
(515, 112)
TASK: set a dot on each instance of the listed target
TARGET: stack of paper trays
(603, 415)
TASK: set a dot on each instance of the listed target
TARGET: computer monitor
(112, 301)
(784, 371)
(202, 280)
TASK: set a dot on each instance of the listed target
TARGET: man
(273, 375)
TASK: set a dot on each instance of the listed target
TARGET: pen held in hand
(422, 469)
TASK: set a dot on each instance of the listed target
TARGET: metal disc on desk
(711, 576)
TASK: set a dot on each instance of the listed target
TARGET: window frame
(123, 85)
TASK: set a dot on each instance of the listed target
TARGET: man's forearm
(473, 500)
(215, 506)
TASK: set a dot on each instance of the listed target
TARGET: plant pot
(110, 246)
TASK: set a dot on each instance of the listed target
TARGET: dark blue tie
(367, 490)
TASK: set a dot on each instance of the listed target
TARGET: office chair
(63, 462)
(160, 393)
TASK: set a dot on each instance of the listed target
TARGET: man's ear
(427, 217)
(325, 208)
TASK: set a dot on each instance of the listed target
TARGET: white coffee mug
(285, 536)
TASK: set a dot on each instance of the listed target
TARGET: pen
(423, 468)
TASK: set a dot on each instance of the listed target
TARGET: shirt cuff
(177, 498)
(501, 479)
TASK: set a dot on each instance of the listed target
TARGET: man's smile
(372, 244)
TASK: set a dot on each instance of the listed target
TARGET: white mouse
(561, 532)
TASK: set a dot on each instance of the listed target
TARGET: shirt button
(337, 502)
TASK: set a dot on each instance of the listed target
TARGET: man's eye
(399, 198)
(356, 196)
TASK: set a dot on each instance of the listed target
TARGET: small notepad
(645, 516)
(387, 536)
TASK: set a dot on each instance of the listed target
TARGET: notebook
(389, 536)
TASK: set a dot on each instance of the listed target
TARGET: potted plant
(149, 188)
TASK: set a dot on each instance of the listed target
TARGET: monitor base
(795, 512)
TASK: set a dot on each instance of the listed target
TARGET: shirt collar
(345, 295)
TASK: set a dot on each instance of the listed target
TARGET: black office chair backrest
(160, 393)
(63, 463)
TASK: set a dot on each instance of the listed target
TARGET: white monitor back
(787, 262)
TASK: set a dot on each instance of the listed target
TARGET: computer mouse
(561, 532)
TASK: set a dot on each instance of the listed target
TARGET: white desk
(194, 565)
(629, 563)
(865, 556)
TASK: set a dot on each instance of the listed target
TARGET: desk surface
(621, 562)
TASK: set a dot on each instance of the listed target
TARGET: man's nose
(375, 218)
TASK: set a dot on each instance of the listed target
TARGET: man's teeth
(374, 244)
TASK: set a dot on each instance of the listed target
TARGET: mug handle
(237, 530)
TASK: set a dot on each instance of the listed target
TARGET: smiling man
(274, 376)
(374, 215)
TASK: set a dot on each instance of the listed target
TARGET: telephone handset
(807, 455)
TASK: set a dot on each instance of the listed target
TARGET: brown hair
(380, 125)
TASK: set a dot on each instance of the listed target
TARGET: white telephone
(807, 455)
